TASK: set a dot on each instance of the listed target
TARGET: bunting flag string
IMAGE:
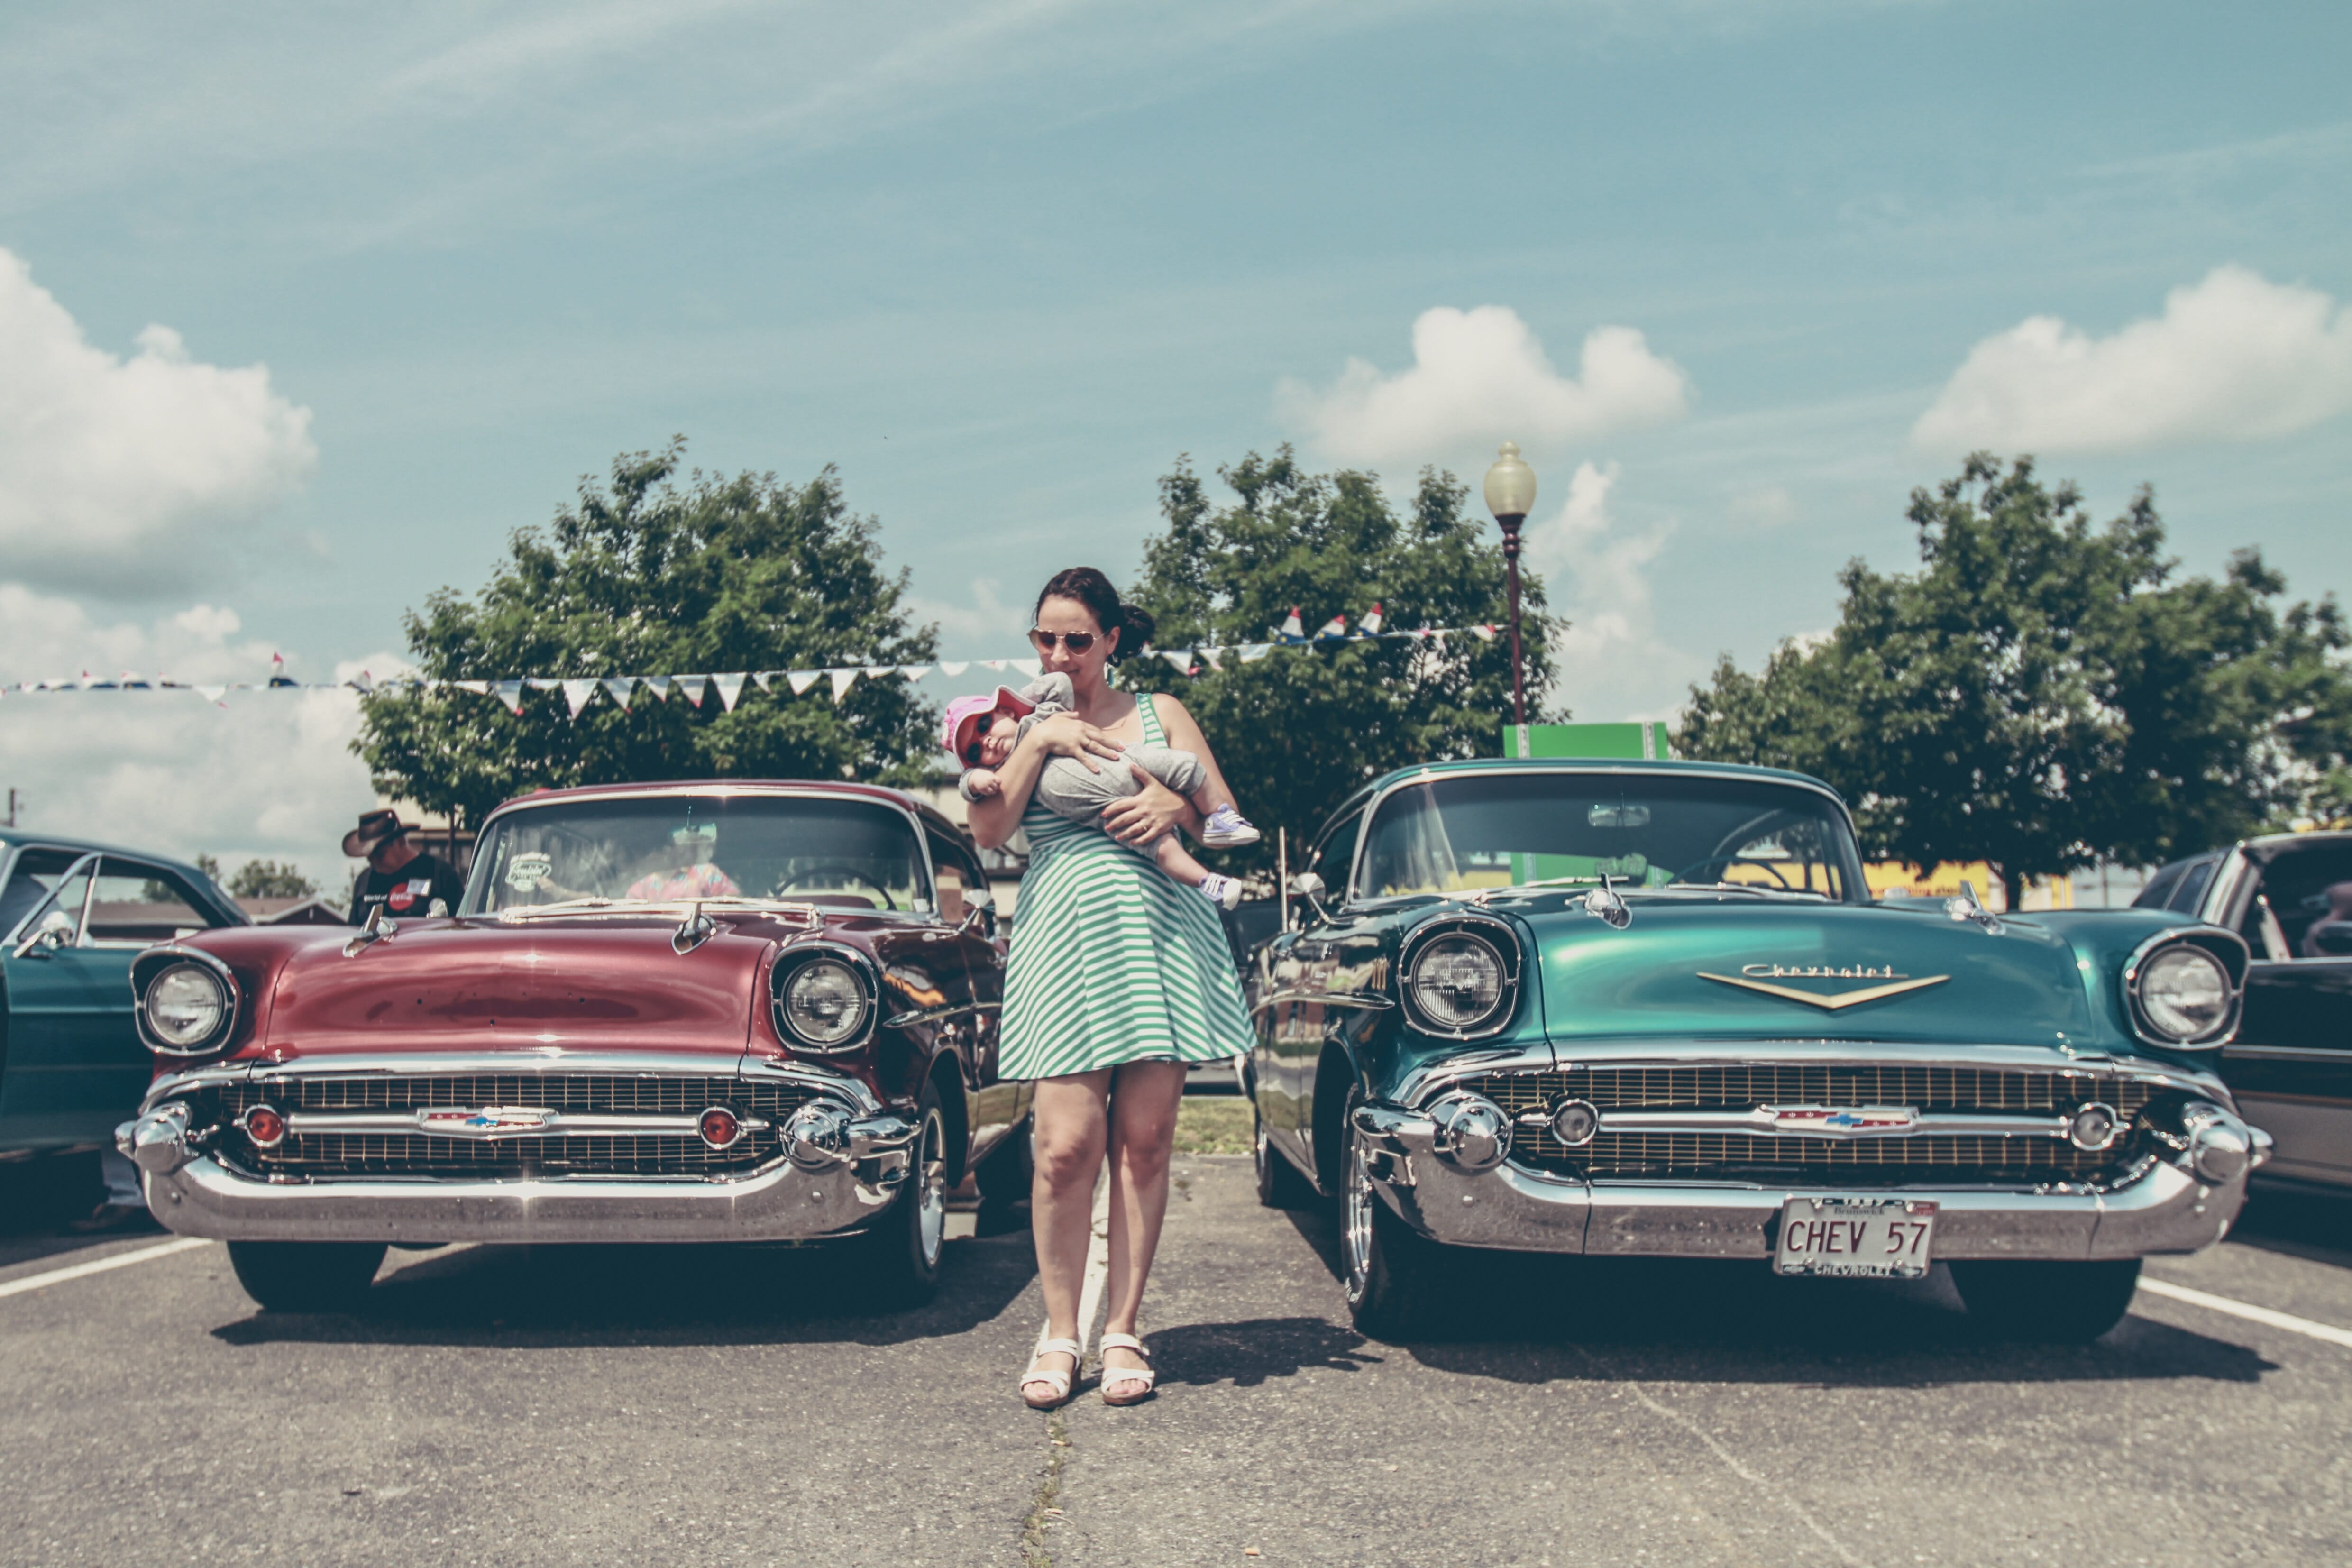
(580, 693)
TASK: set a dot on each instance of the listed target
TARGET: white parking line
(2253, 1314)
(81, 1270)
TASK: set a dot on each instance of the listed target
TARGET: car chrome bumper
(789, 1201)
(2162, 1209)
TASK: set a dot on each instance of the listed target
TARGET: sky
(304, 309)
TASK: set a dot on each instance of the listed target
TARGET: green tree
(2045, 693)
(269, 880)
(1297, 730)
(649, 577)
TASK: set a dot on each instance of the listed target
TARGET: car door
(1293, 1018)
(995, 1105)
(74, 1066)
(2291, 1064)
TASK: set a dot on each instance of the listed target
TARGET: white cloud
(2233, 358)
(1597, 573)
(270, 776)
(1480, 376)
(112, 470)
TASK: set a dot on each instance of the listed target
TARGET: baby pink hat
(964, 712)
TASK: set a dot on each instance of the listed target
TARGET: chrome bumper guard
(839, 1171)
(1418, 1165)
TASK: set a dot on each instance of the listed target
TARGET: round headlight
(1457, 981)
(824, 1005)
(186, 1005)
(2185, 993)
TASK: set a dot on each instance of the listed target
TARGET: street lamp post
(1510, 496)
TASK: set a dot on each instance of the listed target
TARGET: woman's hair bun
(1091, 588)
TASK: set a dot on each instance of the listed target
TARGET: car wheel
(306, 1276)
(1280, 1184)
(2055, 1303)
(1005, 1176)
(1391, 1271)
(901, 1252)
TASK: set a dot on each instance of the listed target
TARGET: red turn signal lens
(265, 1126)
(719, 1127)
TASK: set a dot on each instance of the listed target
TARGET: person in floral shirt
(698, 878)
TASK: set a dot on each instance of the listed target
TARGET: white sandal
(1057, 1381)
(1142, 1374)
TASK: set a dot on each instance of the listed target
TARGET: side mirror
(978, 910)
(56, 929)
(1309, 886)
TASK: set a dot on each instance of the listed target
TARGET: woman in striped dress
(1119, 978)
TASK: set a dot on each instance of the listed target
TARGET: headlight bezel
(1501, 940)
(148, 969)
(2224, 949)
(793, 967)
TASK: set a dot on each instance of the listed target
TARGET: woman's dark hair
(1092, 589)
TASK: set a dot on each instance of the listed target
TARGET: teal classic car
(1651, 1009)
(73, 916)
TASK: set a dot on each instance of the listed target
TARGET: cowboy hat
(374, 828)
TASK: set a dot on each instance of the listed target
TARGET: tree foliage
(1295, 731)
(269, 880)
(2045, 693)
(648, 576)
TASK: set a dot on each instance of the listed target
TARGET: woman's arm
(995, 820)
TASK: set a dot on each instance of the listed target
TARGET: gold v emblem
(1841, 999)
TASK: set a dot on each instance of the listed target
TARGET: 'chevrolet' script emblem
(1760, 977)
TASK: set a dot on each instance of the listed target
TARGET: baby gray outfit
(1068, 788)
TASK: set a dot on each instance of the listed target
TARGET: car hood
(1742, 968)
(458, 985)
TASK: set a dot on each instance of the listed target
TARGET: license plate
(1856, 1238)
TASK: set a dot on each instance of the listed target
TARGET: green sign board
(1633, 743)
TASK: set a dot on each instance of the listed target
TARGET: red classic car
(678, 1012)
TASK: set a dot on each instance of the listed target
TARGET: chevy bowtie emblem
(1841, 1121)
(455, 1121)
(1892, 984)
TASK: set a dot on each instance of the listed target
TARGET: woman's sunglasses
(1077, 642)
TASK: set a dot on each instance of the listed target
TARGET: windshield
(1499, 830)
(853, 853)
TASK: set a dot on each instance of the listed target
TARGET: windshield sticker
(525, 872)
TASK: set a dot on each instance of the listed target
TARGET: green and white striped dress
(1112, 961)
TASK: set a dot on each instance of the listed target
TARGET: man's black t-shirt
(408, 892)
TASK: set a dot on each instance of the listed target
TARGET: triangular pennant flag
(691, 685)
(955, 669)
(876, 671)
(914, 671)
(1486, 634)
(1179, 659)
(541, 683)
(1292, 628)
(510, 693)
(485, 688)
(362, 681)
(996, 664)
(577, 693)
(730, 687)
(764, 677)
(800, 680)
(618, 688)
(213, 694)
(1336, 627)
(1252, 652)
(1370, 625)
(1209, 658)
(843, 679)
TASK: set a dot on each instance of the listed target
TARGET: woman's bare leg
(1142, 1138)
(1071, 1133)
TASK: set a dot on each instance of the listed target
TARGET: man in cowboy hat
(400, 878)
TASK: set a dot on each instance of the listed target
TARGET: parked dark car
(1651, 1008)
(73, 918)
(2290, 896)
(663, 1013)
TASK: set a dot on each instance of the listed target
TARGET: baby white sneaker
(1225, 829)
(1225, 893)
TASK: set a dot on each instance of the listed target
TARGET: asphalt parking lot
(649, 1404)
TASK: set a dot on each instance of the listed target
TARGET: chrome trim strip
(537, 1061)
(1763, 1120)
(555, 1124)
(2237, 1053)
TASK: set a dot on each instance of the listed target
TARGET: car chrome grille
(1746, 1086)
(376, 1154)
